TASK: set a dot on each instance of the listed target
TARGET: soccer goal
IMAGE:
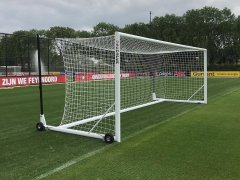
(110, 75)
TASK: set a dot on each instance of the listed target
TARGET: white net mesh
(163, 69)
(89, 67)
(147, 68)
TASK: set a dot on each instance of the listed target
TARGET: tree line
(217, 30)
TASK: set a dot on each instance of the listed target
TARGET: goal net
(109, 75)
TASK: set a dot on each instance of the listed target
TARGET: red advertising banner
(30, 80)
(53, 79)
(80, 77)
(94, 77)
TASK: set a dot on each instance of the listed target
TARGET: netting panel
(90, 82)
(161, 69)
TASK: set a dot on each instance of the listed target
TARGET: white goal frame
(117, 113)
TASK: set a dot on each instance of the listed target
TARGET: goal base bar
(75, 132)
(183, 101)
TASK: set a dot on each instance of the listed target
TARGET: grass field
(164, 141)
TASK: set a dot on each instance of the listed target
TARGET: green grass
(202, 144)
(164, 141)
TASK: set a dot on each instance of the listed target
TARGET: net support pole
(117, 88)
(205, 76)
(153, 86)
(42, 118)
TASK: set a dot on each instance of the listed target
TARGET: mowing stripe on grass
(90, 154)
(72, 162)
(69, 163)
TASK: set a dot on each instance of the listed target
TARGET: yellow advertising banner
(229, 74)
(54, 73)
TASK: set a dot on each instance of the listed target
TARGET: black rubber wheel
(40, 126)
(109, 138)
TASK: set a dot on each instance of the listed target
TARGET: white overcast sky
(84, 14)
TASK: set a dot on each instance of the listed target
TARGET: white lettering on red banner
(30, 80)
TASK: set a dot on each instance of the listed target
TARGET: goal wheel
(40, 126)
(108, 138)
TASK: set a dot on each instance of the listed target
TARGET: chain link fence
(18, 56)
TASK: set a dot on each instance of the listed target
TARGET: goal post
(117, 87)
(110, 75)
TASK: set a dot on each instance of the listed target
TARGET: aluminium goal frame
(117, 113)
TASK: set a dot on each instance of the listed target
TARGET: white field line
(92, 153)
(72, 162)
(85, 156)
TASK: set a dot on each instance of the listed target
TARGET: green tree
(60, 32)
(104, 29)
(18, 47)
(210, 28)
(236, 40)
(83, 34)
(140, 29)
(167, 28)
